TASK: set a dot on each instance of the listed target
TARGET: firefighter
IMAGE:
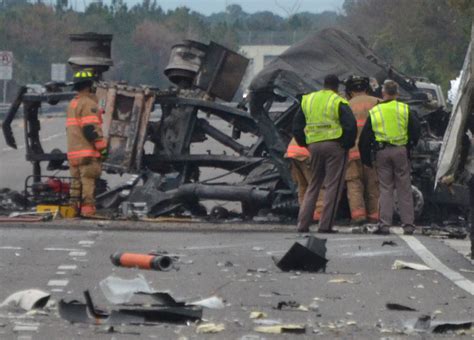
(391, 130)
(85, 142)
(361, 180)
(326, 125)
(300, 172)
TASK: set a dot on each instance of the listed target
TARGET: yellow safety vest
(390, 122)
(321, 110)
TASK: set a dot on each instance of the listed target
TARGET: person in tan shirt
(86, 145)
(361, 181)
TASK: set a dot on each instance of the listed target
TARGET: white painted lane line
(24, 337)
(431, 260)
(60, 273)
(58, 283)
(67, 267)
(62, 249)
(10, 248)
(78, 253)
(25, 327)
(57, 290)
(86, 242)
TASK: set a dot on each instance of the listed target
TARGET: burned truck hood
(303, 66)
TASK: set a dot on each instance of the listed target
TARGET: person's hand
(104, 154)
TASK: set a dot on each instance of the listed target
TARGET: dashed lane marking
(10, 248)
(57, 290)
(58, 283)
(78, 253)
(67, 267)
(60, 273)
(431, 260)
(61, 249)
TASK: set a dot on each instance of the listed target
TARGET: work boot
(302, 230)
(408, 229)
(382, 229)
(359, 221)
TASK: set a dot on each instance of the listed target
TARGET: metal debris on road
(310, 257)
(399, 307)
(207, 328)
(27, 299)
(389, 243)
(293, 305)
(77, 312)
(398, 264)
(282, 328)
(425, 323)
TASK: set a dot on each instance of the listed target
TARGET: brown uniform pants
(328, 163)
(393, 168)
(85, 174)
(362, 191)
(301, 174)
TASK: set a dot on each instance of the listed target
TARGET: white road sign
(58, 72)
(6, 65)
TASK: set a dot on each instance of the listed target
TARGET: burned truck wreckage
(161, 152)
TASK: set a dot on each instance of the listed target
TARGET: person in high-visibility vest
(391, 130)
(86, 145)
(301, 174)
(326, 125)
(361, 180)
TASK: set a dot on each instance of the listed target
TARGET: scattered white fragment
(213, 302)
(77, 253)
(257, 315)
(398, 264)
(340, 280)
(27, 299)
(258, 248)
(26, 327)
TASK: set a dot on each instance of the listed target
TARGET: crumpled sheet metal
(303, 66)
(78, 312)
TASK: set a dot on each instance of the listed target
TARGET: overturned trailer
(170, 174)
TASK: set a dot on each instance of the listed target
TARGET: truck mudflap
(7, 122)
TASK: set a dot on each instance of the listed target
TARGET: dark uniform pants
(328, 163)
(393, 168)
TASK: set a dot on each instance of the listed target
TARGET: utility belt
(383, 145)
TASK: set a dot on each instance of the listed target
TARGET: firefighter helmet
(83, 76)
(357, 84)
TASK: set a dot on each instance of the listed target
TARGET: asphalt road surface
(347, 301)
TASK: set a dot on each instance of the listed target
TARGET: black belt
(383, 145)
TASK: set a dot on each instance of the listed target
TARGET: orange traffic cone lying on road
(142, 261)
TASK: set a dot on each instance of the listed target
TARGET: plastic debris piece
(118, 290)
(390, 243)
(310, 257)
(27, 299)
(283, 328)
(258, 315)
(206, 328)
(267, 322)
(399, 307)
(427, 324)
(351, 323)
(213, 302)
(398, 264)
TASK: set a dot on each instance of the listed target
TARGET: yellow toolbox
(65, 211)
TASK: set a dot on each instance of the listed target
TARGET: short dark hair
(331, 81)
(390, 87)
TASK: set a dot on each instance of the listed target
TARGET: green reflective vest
(321, 110)
(390, 122)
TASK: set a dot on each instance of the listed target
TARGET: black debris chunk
(310, 257)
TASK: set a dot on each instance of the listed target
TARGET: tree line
(419, 37)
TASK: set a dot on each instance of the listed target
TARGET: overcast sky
(212, 6)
